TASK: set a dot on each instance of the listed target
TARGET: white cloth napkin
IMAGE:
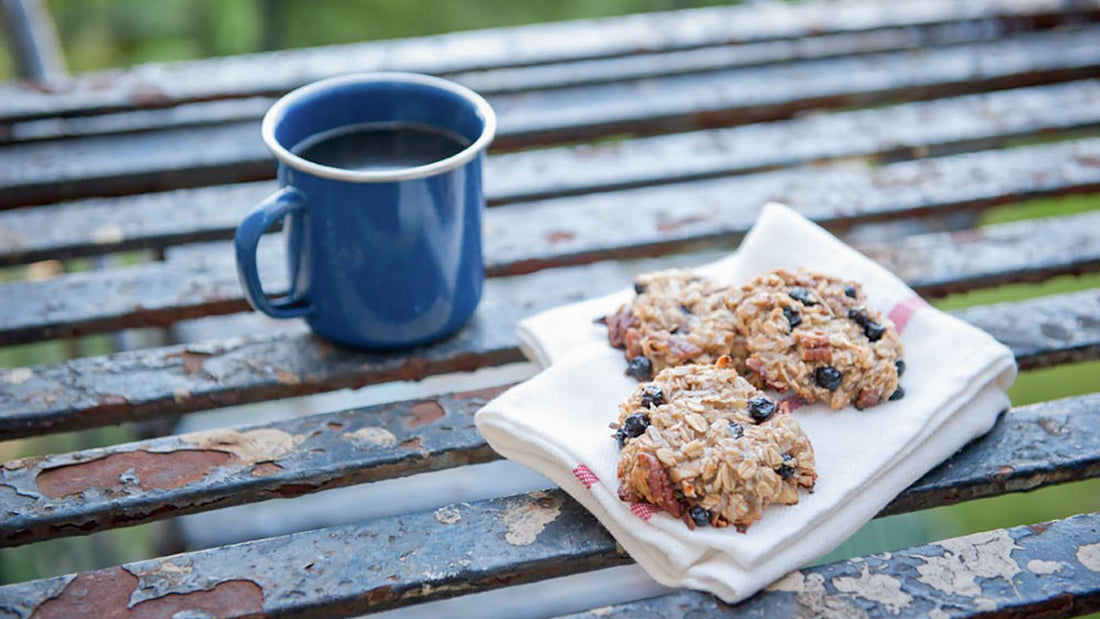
(557, 422)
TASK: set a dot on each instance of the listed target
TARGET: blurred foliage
(98, 34)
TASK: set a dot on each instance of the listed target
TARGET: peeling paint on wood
(880, 588)
(326, 459)
(169, 476)
(1015, 456)
(372, 436)
(331, 580)
(265, 469)
(125, 472)
(17, 376)
(968, 560)
(448, 515)
(393, 562)
(140, 384)
(988, 582)
(249, 447)
(572, 73)
(425, 412)
(1038, 566)
(105, 594)
(1089, 556)
(811, 600)
(527, 519)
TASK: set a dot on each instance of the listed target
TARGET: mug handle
(263, 216)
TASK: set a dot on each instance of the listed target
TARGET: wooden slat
(716, 212)
(203, 113)
(1026, 251)
(467, 548)
(747, 95)
(96, 226)
(1047, 443)
(619, 69)
(126, 164)
(59, 496)
(81, 492)
(1040, 570)
(202, 281)
(1048, 331)
(140, 384)
(341, 571)
(575, 73)
(161, 85)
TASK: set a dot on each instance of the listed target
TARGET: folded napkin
(557, 422)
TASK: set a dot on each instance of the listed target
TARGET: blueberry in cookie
(712, 450)
(676, 318)
(838, 351)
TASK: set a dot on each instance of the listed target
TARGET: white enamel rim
(278, 111)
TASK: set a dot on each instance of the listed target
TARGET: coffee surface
(381, 147)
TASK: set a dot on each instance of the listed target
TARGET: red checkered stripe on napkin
(585, 475)
(903, 311)
(644, 511)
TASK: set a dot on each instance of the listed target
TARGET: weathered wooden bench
(625, 144)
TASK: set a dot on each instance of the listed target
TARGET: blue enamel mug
(382, 257)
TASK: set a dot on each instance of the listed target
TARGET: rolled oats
(837, 350)
(804, 332)
(711, 463)
(676, 318)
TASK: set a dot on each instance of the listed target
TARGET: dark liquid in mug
(381, 147)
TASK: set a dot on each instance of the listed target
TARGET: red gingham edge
(585, 475)
(903, 311)
(644, 511)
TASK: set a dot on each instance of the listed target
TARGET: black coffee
(381, 147)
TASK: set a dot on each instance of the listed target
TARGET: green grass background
(99, 34)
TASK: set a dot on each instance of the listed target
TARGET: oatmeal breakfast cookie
(706, 446)
(813, 334)
(677, 318)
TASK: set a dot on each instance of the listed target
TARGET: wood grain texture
(160, 85)
(523, 238)
(914, 130)
(146, 383)
(494, 543)
(81, 492)
(106, 165)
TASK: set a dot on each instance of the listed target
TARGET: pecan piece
(817, 354)
(815, 346)
(758, 364)
(617, 325)
(660, 486)
(681, 348)
(633, 343)
(867, 398)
